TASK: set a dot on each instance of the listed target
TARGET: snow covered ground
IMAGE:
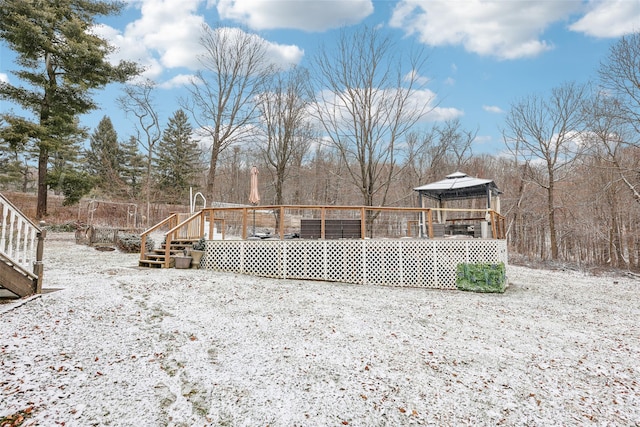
(123, 346)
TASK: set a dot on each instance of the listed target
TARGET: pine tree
(15, 172)
(61, 61)
(178, 165)
(66, 175)
(133, 167)
(105, 158)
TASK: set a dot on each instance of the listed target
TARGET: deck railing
(21, 241)
(279, 218)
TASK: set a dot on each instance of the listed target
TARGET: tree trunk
(552, 218)
(211, 175)
(43, 160)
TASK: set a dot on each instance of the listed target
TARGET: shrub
(481, 277)
(199, 245)
(130, 243)
(67, 227)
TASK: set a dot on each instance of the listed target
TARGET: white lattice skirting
(397, 262)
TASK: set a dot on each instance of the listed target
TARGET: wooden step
(155, 263)
(15, 280)
(155, 258)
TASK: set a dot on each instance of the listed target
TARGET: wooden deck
(323, 223)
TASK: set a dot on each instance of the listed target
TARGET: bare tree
(610, 135)
(620, 76)
(235, 67)
(366, 104)
(545, 133)
(619, 105)
(456, 142)
(139, 102)
(285, 122)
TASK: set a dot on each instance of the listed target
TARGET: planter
(197, 256)
(183, 261)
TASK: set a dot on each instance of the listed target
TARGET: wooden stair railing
(21, 251)
(180, 235)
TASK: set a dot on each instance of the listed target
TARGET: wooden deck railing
(201, 223)
(21, 241)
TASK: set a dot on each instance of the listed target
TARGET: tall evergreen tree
(178, 162)
(105, 157)
(61, 62)
(133, 167)
(15, 171)
(66, 175)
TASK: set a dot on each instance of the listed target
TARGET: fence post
(38, 268)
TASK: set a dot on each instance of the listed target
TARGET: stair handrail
(144, 234)
(21, 241)
(169, 235)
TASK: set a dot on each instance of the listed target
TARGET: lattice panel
(263, 258)
(383, 263)
(419, 263)
(223, 256)
(450, 253)
(344, 261)
(399, 262)
(305, 259)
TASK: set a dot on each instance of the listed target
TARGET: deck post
(244, 223)
(281, 222)
(493, 224)
(212, 224)
(38, 268)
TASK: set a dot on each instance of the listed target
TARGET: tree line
(350, 132)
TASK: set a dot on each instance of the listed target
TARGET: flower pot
(183, 261)
(197, 256)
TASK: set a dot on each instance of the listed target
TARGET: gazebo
(459, 186)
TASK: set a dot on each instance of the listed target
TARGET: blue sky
(483, 55)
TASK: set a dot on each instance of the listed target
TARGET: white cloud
(503, 29)
(482, 139)
(416, 77)
(130, 50)
(422, 101)
(306, 15)
(609, 18)
(167, 36)
(170, 29)
(492, 109)
(284, 55)
(178, 81)
(441, 114)
(4, 78)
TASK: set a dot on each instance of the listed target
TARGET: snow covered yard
(120, 345)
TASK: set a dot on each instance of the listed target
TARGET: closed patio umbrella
(254, 197)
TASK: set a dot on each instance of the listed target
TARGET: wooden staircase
(21, 251)
(15, 279)
(184, 230)
(157, 257)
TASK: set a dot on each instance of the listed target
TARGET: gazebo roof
(458, 185)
